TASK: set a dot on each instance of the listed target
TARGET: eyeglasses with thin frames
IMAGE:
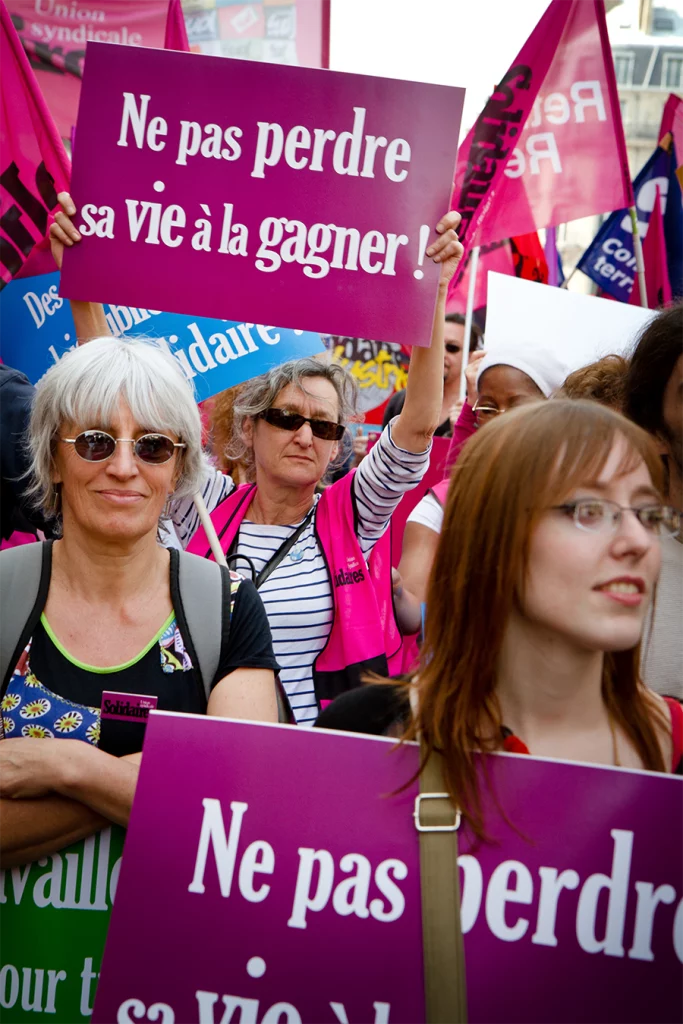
(485, 413)
(98, 446)
(599, 515)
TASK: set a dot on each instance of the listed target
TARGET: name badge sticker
(127, 707)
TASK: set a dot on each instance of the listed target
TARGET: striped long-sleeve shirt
(298, 594)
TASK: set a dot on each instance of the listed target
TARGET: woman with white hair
(115, 437)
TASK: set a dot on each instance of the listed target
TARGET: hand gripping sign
(277, 880)
(260, 192)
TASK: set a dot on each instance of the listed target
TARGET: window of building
(672, 73)
(663, 23)
(623, 68)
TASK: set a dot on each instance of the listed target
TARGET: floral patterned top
(31, 709)
(52, 694)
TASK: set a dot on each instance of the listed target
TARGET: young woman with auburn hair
(542, 582)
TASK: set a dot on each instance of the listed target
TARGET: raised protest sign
(578, 329)
(37, 329)
(55, 914)
(309, 203)
(277, 879)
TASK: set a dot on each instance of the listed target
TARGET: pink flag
(176, 32)
(569, 160)
(672, 121)
(654, 257)
(55, 36)
(497, 257)
(33, 163)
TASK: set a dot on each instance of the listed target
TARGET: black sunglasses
(324, 429)
(452, 347)
(98, 446)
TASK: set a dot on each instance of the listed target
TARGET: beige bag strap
(444, 958)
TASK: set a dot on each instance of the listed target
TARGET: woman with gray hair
(115, 437)
(322, 561)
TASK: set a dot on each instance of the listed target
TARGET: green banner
(54, 917)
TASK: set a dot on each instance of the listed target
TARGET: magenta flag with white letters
(569, 158)
(34, 166)
(55, 37)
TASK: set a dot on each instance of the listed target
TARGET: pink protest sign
(308, 203)
(278, 879)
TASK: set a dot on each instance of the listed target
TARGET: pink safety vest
(364, 636)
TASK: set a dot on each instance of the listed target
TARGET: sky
(469, 43)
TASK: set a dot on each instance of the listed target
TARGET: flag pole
(474, 266)
(566, 281)
(209, 528)
(638, 253)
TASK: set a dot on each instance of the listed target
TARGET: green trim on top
(115, 668)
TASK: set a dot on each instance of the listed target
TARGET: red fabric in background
(529, 258)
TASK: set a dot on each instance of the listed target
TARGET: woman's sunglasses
(326, 430)
(97, 446)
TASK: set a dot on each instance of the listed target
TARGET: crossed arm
(55, 792)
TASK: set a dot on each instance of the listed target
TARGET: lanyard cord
(271, 565)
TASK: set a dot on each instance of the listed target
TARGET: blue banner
(610, 260)
(37, 329)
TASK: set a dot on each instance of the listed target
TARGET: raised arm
(419, 418)
(89, 319)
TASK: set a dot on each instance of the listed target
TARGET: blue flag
(610, 260)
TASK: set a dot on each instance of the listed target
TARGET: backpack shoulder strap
(24, 583)
(201, 595)
(203, 610)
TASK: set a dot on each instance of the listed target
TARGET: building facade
(647, 45)
(646, 37)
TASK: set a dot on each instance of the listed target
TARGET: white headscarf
(546, 370)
